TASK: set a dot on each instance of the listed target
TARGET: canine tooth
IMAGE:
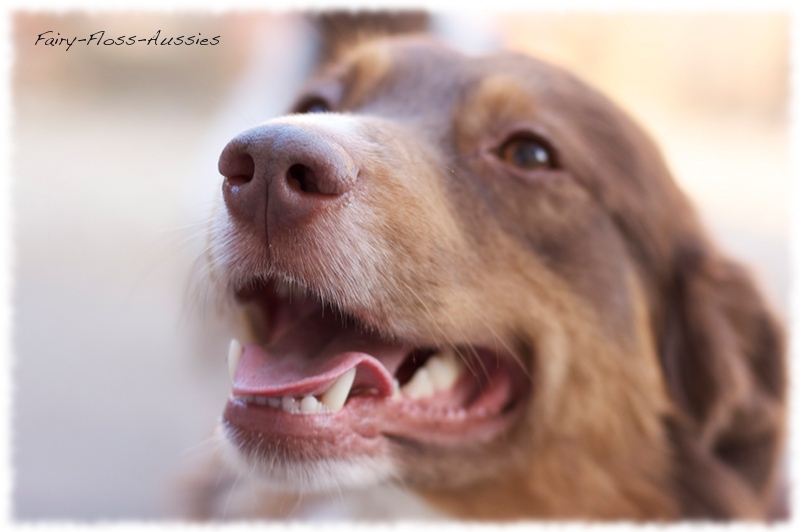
(396, 395)
(234, 356)
(289, 404)
(274, 402)
(444, 370)
(336, 395)
(420, 385)
(309, 405)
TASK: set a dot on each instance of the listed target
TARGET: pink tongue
(311, 354)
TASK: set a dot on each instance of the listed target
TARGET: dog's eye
(527, 153)
(313, 105)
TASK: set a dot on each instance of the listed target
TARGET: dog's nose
(282, 173)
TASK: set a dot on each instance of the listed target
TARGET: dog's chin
(288, 473)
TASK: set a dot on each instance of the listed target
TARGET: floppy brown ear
(723, 357)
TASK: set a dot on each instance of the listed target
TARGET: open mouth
(319, 374)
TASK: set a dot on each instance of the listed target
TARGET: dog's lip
(366, 419)
(446, 419)
(289, 364)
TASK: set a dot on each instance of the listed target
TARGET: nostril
(238, 168)
(303, 178)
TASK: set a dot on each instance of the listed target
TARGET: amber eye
(313, 105)
(527, 153)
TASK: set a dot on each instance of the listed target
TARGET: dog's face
(451, 269)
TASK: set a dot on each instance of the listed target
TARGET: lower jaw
(361, 434)
(327, 436)
(297, 453)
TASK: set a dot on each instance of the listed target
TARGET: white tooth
(261, 400)
(420, 385)
(234, 356)
(289, 404)
(274, 402)
(396, 395)
(444, 370)
(309, 405)
(337, 394)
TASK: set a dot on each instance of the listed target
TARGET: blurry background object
(119, 372)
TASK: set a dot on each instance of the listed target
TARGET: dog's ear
(723, 357)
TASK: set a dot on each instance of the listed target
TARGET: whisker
(201, 447)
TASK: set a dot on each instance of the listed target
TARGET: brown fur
(658, 382)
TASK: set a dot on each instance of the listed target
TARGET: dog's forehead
(417, 73)
(405, 74)
(416, 58)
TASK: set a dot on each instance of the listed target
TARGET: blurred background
(119, 372)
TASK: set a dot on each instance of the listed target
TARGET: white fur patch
(323, 475)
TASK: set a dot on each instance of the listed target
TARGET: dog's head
(476, 277)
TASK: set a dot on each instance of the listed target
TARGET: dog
(474, 277)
